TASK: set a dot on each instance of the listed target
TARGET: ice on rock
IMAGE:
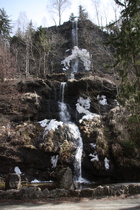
(106, 163)
(94, 157)
(84, 102)
(93, 145)
(43, 123)
(83, 105)
(50, 125)
(35, 181)
(82, 108)
(54, 160)
(89, 116)
(77, 53)
(17, 170)
(102, 100)
(53, 125)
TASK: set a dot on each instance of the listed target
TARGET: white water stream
(71, 62)
(75, 134)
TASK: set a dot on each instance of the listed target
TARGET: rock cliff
(105, 156)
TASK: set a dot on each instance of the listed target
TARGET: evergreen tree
(5, 24)
(83, 15)
(42, 49)
(126, 41)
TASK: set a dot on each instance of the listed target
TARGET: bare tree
(21, 23)
(58, 8)
(96, 5)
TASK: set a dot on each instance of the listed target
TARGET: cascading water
(71, 62)
(75, 32)
(63, 84)
(75, 62)
(75, 134)
(63, 113)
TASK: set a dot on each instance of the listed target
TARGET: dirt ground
(107, 203)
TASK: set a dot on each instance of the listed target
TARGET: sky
(40, 12)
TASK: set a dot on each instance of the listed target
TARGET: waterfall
(75, 134)
(63, 113)
(71, 62)
(78, 155)
(75, 62)
(75, 33)
(63, 84)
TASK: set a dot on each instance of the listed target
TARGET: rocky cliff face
(89, 37)
(23, 143)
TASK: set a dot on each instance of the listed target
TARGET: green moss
(129, 148)
(2, 184)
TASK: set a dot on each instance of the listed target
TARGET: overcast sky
(40, 12)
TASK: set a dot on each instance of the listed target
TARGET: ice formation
(106, 162)
(82, 108)
(17, 170)
(94, 157)
(64, 114)
(35, 181)
(102, 100)
(75, 133)
(83, 55)
(50, 125)
(93, 145)
(54, 160)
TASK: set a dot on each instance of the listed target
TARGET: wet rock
(13, 181)
(65, 178)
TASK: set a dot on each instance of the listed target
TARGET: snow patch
(89, 117)
(94, 157)
(82, 108)
(102, 100)
(93, 145)
(106, 163)
(85, 103)
(35, 181)
(43, 123)
(17, 170)
(54, 160)
(50, 125)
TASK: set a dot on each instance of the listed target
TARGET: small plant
(2, 184)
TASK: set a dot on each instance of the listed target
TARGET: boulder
(65, 178)
(13, 181)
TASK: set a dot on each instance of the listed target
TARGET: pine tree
(5, 24)
(83, 15)
(126, 41)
